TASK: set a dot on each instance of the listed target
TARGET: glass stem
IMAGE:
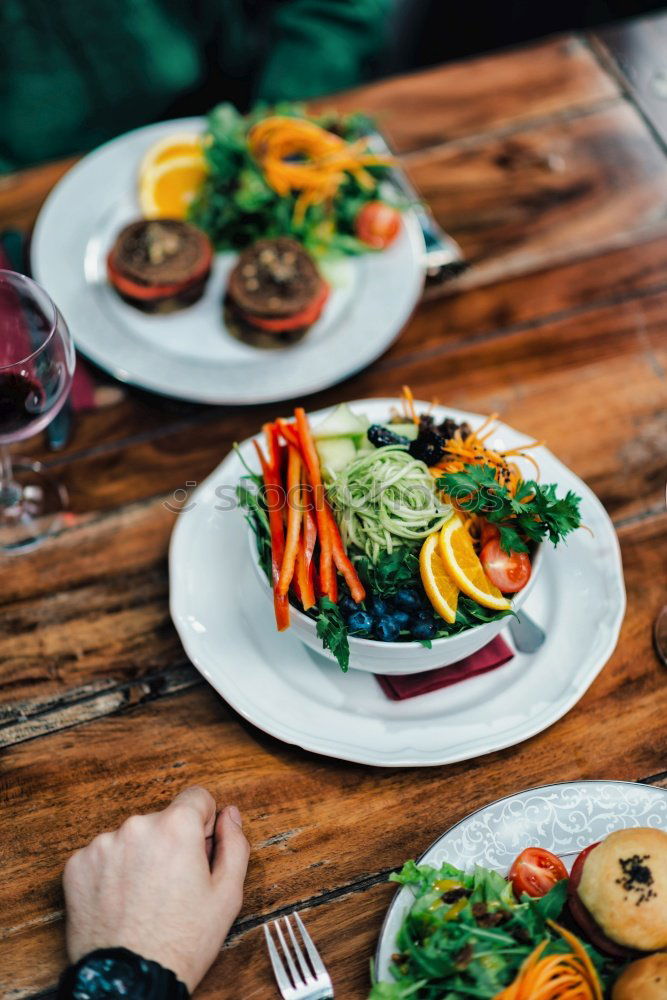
(10, 491)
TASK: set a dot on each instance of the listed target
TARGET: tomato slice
(584, 919)
(305, 317)
(146, 293)
(377, 224)
(578, 868)
(509, 571)
(535, 872)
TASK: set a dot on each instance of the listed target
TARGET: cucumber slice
(342, 423)
(335, 453)
(409, 431)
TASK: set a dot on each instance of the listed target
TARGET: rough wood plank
(483, 94)
(138, 759)
(22, 194)
(546, 194)
(552, 293)
(635, 52)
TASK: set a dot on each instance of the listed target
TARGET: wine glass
(36, 367)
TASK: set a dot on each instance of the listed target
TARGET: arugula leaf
(550, 906)
(534, 513)
(332, 630)
(442, 954)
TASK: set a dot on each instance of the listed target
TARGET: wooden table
(549, 165)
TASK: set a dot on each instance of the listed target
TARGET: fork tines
(299, 976)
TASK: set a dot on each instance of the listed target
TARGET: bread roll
(645, 979)
(624, 888)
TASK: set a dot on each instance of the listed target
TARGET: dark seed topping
(637, 878)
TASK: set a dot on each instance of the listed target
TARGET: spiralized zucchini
(385, 499)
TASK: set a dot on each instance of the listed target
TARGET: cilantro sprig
(534, 513)
(332, 630)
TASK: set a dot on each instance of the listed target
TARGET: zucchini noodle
(386, 499)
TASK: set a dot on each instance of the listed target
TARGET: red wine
(21, 401)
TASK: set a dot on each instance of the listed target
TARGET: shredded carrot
(409, 403)
(571, 976)
(472, 450)
(298, 155)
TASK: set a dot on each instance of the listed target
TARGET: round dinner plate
(190, 354)
(563, 818)
(227, 629)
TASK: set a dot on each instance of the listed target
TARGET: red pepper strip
(305, 568)
(273, 486)
(345, 567)
(274, 446)
(327, 572)
(294, 513)
(333, 590)
(289, 432)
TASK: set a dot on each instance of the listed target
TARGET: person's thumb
(230, 861)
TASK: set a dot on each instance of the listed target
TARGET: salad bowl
(377, 657)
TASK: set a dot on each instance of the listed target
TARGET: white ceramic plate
(563, 818)
(276, 683)
(190, 354)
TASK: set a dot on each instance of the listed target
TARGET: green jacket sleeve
(321, 46)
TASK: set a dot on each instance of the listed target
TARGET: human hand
(167, 885)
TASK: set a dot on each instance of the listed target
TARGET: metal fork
(302, 979)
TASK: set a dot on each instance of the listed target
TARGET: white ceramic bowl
(377, 657)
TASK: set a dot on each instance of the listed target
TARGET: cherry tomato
(305, 317)
(535, 872)
(509, 571)
(377, 224)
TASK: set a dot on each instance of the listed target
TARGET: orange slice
(171, 147)
(165, 191)
(461, 562)
(441, 590)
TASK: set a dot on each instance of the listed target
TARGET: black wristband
(111, 973)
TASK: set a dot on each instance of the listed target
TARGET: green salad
(236, 205)
(466, 935)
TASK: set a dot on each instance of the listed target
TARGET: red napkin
(82, 393)
(401, 686)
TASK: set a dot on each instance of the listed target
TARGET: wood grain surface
(548, 165)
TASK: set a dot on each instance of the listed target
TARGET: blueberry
(347, 605)
(360, 622)
(387, 629)
(401, 617)
(408, 599)
(424, 630)
(378, 606)
(424, 615)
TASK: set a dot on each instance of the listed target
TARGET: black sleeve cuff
(117, 974)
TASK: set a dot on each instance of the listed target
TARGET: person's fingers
(198, 801)
(230, 861)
